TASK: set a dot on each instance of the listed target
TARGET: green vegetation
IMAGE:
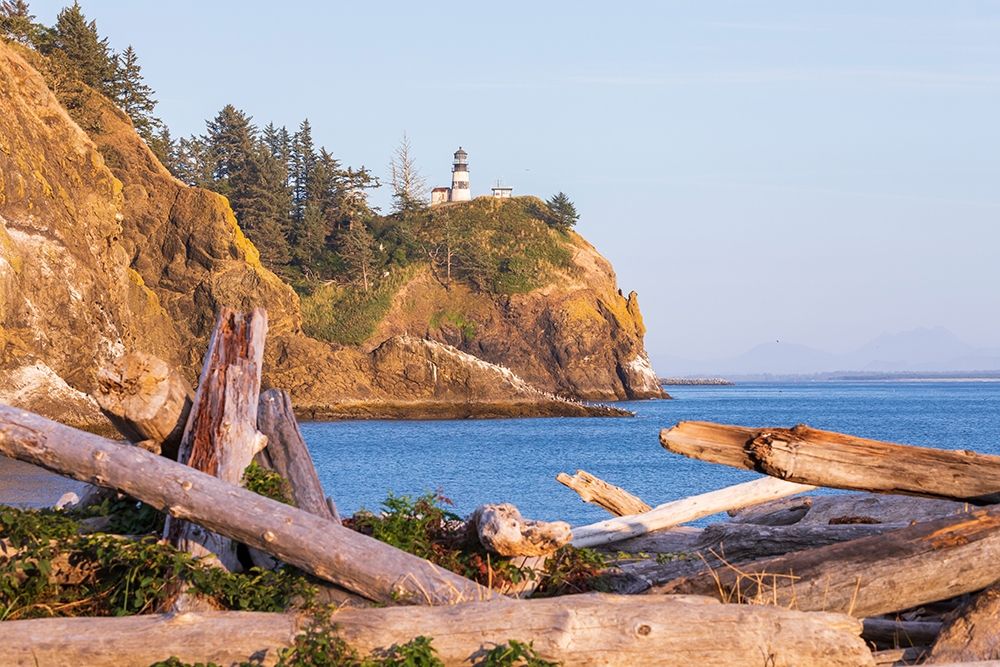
(457, 320)
(561, 212)
(340, 314)
(423, 527)
(53, 570)
(267, 483)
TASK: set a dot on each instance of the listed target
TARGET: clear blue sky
(816, 172)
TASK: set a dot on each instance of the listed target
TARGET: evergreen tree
(87, 53)
(133, 96)
(229, 144)
(165, 149)
(408, 186)
(303, 160)
(308, 237)
(191, 164)
(357, 249)
(562, 213)
(260, 205)
(17, 23)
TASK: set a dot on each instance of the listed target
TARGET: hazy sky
(816, 172)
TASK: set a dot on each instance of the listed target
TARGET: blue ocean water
(516, 460)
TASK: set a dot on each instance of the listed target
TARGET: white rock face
(641, 373)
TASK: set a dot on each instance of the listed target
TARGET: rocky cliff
(102, 250)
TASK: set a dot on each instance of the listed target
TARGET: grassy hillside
(489, 246)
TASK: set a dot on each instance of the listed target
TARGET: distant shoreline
(681, 382)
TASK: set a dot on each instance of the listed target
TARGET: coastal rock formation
(103, 251)
(577, 337)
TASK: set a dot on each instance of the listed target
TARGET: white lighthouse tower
(460, 177)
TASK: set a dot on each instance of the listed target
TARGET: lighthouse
(460, 177)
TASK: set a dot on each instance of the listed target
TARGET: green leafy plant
(267, 483)
(515, 654)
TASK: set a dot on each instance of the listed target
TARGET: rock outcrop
(577, 337)
(102, 251)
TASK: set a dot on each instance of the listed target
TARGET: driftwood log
(825, 458)
(904, 568)
(502, 530)
(595, 490)
(286, 453)
(578, 630)
(221, 436)
(324, 548)
(681, 511)
(887, 633)
(973, 633)
(146, 399)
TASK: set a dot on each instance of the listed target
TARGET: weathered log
(874, 575)
(825, 458)
(595, 490)
(681, 511)
(737, 542)
(146, 399)
(286, 453)
(782, 512)
(733, 543)
(887, 633)
(326, 549)
(881, 508)
(503, 530)
(973, 632)
(221, 436)
(578, 630)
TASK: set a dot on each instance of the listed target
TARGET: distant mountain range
(934, 349)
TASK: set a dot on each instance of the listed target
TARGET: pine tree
(133, 96)
(303, 160)
(88, 54)
(191, 164)
(408, 186)
(165, 149)
(357, 249)
(260, 205)
(562, 213)
(17, 23)
(229, 144)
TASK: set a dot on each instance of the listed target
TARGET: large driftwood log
(825, 458)
(887, 633)
(324, 548)
(146, 399)
(595, 490)
(578, 630)
(973, 633)
(904, 568)
(730, 543)
(681, 511)
(503, 530)
(286, 453)
(221, 436)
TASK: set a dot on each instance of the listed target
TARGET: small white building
(503, 192)
(440, 196)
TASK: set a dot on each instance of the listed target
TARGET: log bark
(595, 490)
(887, 633)
(286, 453)
(503, 530)
(326, 549)
(147, 400)
(783, 512)
(825, 458)
(900, 657)
(221, 436)
(681, 511)
(579, 630)
(904, 568)
(973, 633)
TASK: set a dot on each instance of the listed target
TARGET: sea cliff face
(102, 251)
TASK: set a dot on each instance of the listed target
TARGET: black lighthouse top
(461, 160)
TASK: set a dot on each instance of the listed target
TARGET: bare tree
(408, 186)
